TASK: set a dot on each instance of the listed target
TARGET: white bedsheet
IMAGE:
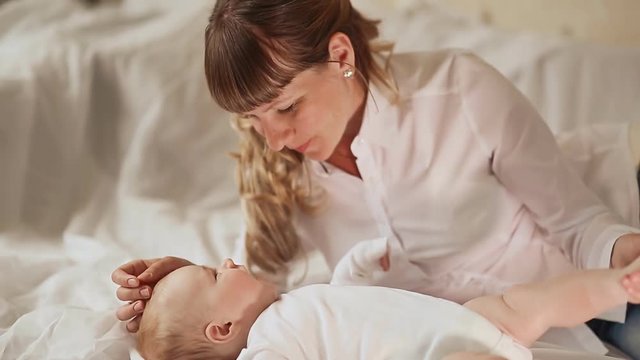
(111, 149)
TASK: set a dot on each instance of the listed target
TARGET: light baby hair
(163, 335)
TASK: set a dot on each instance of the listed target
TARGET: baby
(198, 312)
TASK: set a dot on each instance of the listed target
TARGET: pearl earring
(348, 74)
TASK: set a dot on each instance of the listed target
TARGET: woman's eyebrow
(278, 103)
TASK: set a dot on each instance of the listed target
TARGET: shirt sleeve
(526, 159)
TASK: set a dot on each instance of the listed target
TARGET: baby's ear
(219, 333)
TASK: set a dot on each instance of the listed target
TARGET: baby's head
(202, 313)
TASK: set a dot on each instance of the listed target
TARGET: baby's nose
(229, 264)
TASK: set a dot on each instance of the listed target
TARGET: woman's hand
(625, 250)
(137, 279)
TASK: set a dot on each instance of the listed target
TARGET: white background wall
(608, 21)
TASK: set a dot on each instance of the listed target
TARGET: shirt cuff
(601, 255)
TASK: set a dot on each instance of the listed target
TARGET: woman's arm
(625, 250)
(526, 159)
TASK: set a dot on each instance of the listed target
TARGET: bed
(111, 148)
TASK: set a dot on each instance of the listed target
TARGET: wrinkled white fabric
(107, 130)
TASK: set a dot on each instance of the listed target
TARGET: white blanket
(111, 149)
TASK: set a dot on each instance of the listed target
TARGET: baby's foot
(631, 282)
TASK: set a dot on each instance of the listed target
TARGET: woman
(436, 152)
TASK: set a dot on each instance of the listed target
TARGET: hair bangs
(243, 71)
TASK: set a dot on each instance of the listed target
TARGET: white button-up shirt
(465, 179)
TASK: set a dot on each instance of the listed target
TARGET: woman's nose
(277, 133)
(273, 142)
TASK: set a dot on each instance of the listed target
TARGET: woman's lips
(301, 149)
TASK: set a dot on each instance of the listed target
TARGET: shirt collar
(378, 118)
(377, 124)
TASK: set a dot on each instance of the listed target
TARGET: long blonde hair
(253, 49)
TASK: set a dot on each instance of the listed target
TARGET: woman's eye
(289, 109)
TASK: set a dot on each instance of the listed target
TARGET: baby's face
(230, 289)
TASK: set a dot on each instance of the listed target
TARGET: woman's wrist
(625, 250)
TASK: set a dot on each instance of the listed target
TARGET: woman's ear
(220, 333)
(341, 50)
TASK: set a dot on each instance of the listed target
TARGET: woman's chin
(317, 155)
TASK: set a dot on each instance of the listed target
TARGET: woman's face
(312, 112)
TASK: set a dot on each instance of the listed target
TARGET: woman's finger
(159, 269)
(126, 274)
(128, 311)
(133, 294)
(134, 324)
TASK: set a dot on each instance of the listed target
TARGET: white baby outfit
(319, 322)
(347, 321)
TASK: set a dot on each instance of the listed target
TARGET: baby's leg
(527, 311)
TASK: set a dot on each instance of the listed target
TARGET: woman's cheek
(304, 122)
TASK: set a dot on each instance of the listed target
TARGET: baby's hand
(358, 265)
(385, 263)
